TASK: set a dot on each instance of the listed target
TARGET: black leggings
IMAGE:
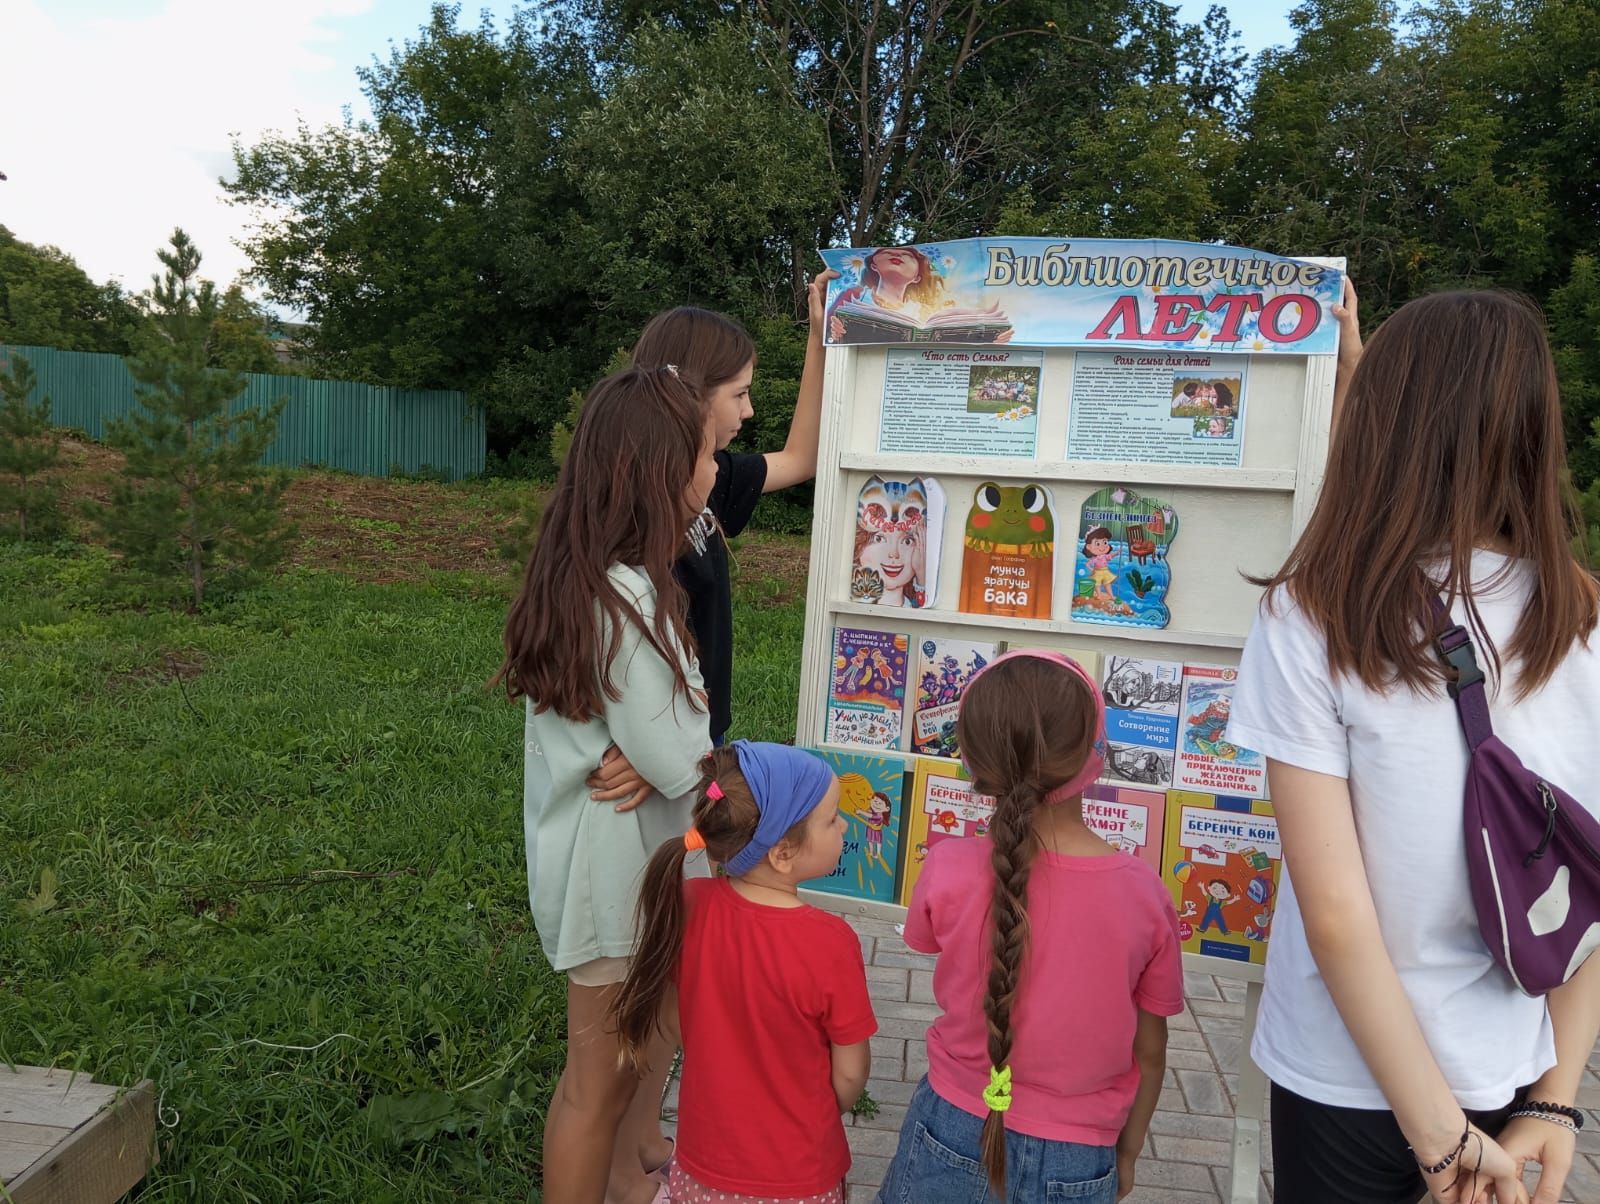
(1327, 1155)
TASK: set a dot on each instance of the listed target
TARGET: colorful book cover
(870, 794)
(1120, 575)
(1008, 553)
(1142, 698)
(899, 531)
(942, 807)
(1222, 858)
(944, 667)
(868, 694)
(1127, 819)
(1206, 761)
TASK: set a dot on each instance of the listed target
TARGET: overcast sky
(116, 116)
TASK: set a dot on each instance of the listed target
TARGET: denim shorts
(939, 1162)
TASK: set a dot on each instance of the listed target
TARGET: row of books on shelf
(1120, 573)
(1218, 855)
(1175, 791)
(1166, 721)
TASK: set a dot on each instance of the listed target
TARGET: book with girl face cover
(899, 533)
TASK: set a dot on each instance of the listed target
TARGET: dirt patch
(380, 530)
(367, 527)
(785, 559)
(170, 666)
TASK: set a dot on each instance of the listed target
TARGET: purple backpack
(1533, 851)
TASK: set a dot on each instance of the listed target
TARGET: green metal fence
(367, 429)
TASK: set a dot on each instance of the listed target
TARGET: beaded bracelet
(1572, 1114)
(1449, 1160)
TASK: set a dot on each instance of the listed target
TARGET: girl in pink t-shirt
(1058, 965)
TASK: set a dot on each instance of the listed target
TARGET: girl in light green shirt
(597, 645)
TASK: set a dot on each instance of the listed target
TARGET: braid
(1012, 843)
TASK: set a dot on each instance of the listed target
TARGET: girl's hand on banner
(618, 779)
(817, 302)
(1349, 328)
(1529, 1139)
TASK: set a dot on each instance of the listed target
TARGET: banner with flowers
(1090, 293)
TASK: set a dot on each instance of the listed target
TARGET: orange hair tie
(692, 840)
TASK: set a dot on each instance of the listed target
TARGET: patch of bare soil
(367, 527)
(373, 529)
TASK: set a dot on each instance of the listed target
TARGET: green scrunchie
(998, 1093)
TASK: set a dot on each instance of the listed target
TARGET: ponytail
(724, 821)
(1011, 843)
(659, 922)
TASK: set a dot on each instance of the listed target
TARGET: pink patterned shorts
(685, 1190)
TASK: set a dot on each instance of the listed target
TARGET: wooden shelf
(1197, 476)
(893, 616)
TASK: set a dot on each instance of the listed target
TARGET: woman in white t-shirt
(1386, 1027)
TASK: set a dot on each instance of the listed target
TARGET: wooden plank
(36, 1074)
(1271, 480)
(1251, 1108)
(99, 1162)
(1153, 635)
(56, 1098)
(23, 1145)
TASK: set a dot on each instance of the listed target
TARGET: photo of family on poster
(1213, 403)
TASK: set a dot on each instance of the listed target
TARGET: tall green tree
(1574, 313)
(29, 448)
(383, 231)
(47, 300)
(697, 175)
(193, 508)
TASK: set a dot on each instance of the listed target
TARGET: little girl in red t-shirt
(1058, 965)
(771, 994)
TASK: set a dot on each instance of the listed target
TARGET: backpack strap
(1466, 684)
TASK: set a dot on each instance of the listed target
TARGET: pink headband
(1096, 763)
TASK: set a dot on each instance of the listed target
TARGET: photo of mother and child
(1403, 1059)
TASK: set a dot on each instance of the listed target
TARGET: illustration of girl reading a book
(901, 298)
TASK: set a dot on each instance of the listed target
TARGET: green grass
(294, 821)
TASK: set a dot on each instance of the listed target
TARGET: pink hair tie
(714, 792)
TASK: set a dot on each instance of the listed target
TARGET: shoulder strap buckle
(1455, 649)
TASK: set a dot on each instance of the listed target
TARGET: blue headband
(787, 784)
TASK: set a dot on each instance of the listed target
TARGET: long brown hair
(728, 824)
(707, 348)
(1450, 439)
(1025, 727)
(620, 499)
